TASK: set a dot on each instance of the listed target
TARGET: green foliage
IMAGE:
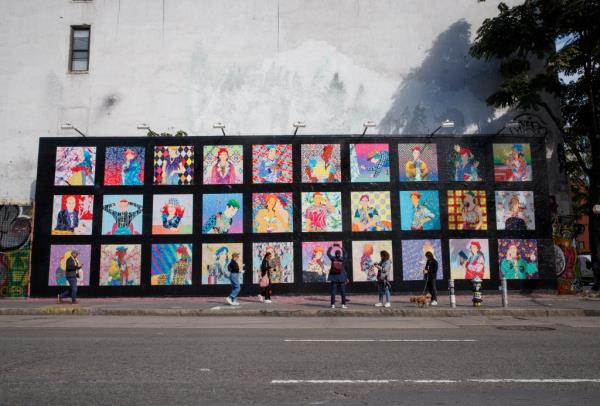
(179, 133)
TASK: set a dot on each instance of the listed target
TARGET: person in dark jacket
(265, 270)
(337, 273)
(430, 273)
(384, 274)
(72, 272)
(234, 277)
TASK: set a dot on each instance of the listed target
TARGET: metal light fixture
(367, 125)
(143, 126)
(298, 124)
(445, 124)
(220, 125)
(69, 126)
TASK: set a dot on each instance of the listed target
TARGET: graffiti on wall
(15, 248)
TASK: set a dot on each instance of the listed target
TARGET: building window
(80, 49)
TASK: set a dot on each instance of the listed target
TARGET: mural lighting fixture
(510, 124)
(221, 126)
(143, 126)
(367, 125)
(445, 124)
(297, 125)
(69, 126)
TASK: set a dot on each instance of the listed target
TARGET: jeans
(342, 287)
(72, 289)
(431, 288)
(384, 290)
(234, 277)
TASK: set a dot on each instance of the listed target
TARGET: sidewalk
(531, 305)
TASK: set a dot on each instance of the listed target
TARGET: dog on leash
(422, 300)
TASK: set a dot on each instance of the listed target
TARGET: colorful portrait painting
(366, 257)
(418, 162)
(515, 210)
(321, 212)
(512, 162)
(222, 213)
(75, 166)
(414, 260)
(124, 166)
(120, 265)
(419, 210)
(281, 262)
(321, 163)
(469, 258)
(215, 262)
(72, 214)
(371, 211)
(174, 165)
(122, 214)
(467, 210)
(59, 255)
(518, 259)
(464, 163)
(172, 214)
(272, 213)
(369, 163)
(272, 163)
(315, 261)
(223, 164)
(171, 264)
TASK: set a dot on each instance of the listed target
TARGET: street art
(512, 162)
(222, 213)
(371, 211)
(172, 214)
(272, 163)
(75, 166)
(215, 261)
(418, 162)
(369, 163)
(321, 212)
(15, 249)
(321, 163)
(171, 264)
(282, 261)
(122, 214)
(58, 264)
(469, 258)
(365, 255)
(419, 210)
(464, 163)
(467, 210)
(272, 213)
(72, 214)
(315, 262)
(120, 265)
(515, 210)
(174, 165)
(413, 258)
(124, 166)
(518, 259)
(223, 164)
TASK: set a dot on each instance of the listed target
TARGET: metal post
(452, 293)
(504, 290)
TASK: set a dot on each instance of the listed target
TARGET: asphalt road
(279, 361)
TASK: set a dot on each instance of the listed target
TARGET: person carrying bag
(265, 279)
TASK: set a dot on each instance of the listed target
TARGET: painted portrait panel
(518, 259)
(171, 264)
(321, 163)
(59, 254)
(369, 163)
(464, 163)
(272, 213)
(414, 260)
(272, 163)
(418, 162)
(122, 214)
(365, 257)
(75, 166)
(174, 165)
(469, 258)
(124, 166)
(282, 261)
(72, 214)
(515, 210)
(321, 212)
(512, 162)
(215, 262)
(223, 164)
(120, 265)
(467, 210)
(223, 213)
(371, 211)
(419, 210)
(315, 262)
(172, 214)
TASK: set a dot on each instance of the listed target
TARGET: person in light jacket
(384, 274)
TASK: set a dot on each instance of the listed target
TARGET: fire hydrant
(477, 299)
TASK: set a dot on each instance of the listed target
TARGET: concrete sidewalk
(530, 305)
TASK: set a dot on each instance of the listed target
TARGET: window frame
(74, 28)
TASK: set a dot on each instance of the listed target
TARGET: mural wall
(15, 249)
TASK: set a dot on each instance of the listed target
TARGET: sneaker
(75, 302)
(333, 306)
(58, 299)
(268, 301)
(378, 304)
(236, 303)
(228, 299)
(344, 307)
(261, 298)
(433, 303)
(388, 304)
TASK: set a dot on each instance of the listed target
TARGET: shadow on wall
(449, 84)
(15, 249)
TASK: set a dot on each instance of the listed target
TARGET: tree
(523, 38)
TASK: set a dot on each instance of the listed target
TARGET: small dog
(421, 301)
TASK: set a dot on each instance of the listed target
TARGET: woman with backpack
(337, 273)
(265, 279)
(384, 273)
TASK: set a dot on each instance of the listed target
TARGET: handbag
(264, 281)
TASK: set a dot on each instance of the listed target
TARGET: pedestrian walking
(72, 273)
(430, 273)
(265, 279)
(234, 277)
(337, 274)
(384, 273)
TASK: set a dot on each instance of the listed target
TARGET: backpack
(336, 267)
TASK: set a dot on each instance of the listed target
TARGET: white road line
(373, 340)
(292, 381)
(429, 381)
(558, 380)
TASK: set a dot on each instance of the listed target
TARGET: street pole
(504, 292)
(452, 293)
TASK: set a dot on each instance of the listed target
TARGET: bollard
(504, 290)
(452, 293)
(477, 296)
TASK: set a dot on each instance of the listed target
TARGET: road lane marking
(292, 381)
(430, 381)
(383, 340)
(553, 380)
